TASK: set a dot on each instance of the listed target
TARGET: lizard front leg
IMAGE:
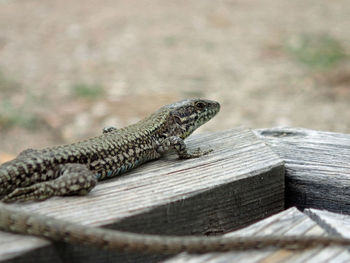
(73, 179)
(177, 144)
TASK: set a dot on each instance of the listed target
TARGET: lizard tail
(59, 230)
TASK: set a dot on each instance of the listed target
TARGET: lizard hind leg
(73, 179)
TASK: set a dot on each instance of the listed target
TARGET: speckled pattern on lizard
(76, 168)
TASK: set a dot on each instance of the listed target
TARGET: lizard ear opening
(177, 119)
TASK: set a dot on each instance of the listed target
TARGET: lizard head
(189, 114)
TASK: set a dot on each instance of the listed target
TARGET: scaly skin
(75, 169)
(20, 222)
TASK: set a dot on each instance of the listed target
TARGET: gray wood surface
(239, 183)
(289, 222)
(336, 224)
(317, 167)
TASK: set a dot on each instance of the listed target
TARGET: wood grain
(240, 182)
(317, 167)
(289, 222)
(334, 223)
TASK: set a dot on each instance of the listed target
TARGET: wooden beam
(317, 167)
(289, 222)
(334, 223)
(240, 182)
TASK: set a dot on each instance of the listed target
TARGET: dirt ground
(69, 68)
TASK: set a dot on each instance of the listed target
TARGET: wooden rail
(241, 182)
(317, 167)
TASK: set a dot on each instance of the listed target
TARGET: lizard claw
(77, 180)
(196, 153)
(37, 192)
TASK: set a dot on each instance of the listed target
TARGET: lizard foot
(174, 143)
(76, 179)
(194, 154)
(38, 192)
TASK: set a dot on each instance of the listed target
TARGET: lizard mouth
(209, 110)
(213, 108)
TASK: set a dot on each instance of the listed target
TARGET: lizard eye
(200, 105)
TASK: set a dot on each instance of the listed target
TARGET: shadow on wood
(317, 167)
(240, 182)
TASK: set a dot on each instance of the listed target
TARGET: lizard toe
(34, 192)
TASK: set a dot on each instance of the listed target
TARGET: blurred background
(69, 68)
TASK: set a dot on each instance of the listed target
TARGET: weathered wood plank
(289, 222)
(241, 182)
(337, 224)
(317, 167)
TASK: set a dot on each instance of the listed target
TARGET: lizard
(76, 168)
